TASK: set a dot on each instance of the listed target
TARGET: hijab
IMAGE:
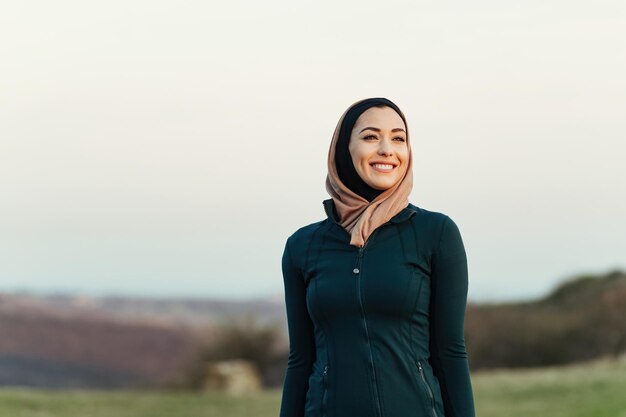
(361, 208)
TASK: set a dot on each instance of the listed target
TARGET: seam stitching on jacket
(412, 342)
(442, 377)
(443, 230)
(293, 265)
(306, 255)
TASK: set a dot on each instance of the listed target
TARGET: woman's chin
(382, 185)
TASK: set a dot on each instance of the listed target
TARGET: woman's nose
(385, 148)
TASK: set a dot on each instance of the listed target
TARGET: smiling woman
(376, 292)
(379, 154)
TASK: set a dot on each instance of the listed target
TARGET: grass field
(595, 389)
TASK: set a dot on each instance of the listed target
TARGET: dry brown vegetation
(584, 318)
(40, 347)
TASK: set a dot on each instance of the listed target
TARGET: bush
(237, 339)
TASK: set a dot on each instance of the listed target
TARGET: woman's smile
(384, 168)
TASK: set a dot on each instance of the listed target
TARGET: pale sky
(166, 148)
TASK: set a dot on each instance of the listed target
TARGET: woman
(376, 293)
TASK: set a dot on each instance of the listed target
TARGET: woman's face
(378, 147)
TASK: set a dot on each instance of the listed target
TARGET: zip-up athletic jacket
(377, 331)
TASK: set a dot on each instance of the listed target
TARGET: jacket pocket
(315, 405)
(427, 388)
(324, 389)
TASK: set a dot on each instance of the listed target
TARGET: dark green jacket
(377, 331)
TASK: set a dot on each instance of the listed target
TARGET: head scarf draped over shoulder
(361, 208)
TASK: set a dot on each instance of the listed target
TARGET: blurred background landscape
(69, 341)
(155, 156)
(139, 356)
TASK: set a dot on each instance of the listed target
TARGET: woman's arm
(447, 316)
(301, 340)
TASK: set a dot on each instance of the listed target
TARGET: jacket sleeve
(448, 355)
(301, 340)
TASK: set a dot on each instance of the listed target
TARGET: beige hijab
(357, 215)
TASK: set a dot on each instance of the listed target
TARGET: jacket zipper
(324, 373)
(357, 271)
(430, 393)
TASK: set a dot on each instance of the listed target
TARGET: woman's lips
(385, 168)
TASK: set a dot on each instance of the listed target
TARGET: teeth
(383, 166)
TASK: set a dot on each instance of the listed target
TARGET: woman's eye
(374, 137)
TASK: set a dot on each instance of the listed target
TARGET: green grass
(91, 403)
(585, 390)
(594, 389)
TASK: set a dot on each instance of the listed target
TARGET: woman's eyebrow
(396, 129)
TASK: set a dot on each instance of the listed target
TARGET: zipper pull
(419, 366)
(325, 369)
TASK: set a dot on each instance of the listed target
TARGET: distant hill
(581, 319)
(81, 341)
(185, 311)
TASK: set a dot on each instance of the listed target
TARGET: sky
(162, 148)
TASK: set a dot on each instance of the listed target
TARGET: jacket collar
(404, 214)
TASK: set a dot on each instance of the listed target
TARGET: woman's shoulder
(423, 214)
(304, 233)
(432, 221)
